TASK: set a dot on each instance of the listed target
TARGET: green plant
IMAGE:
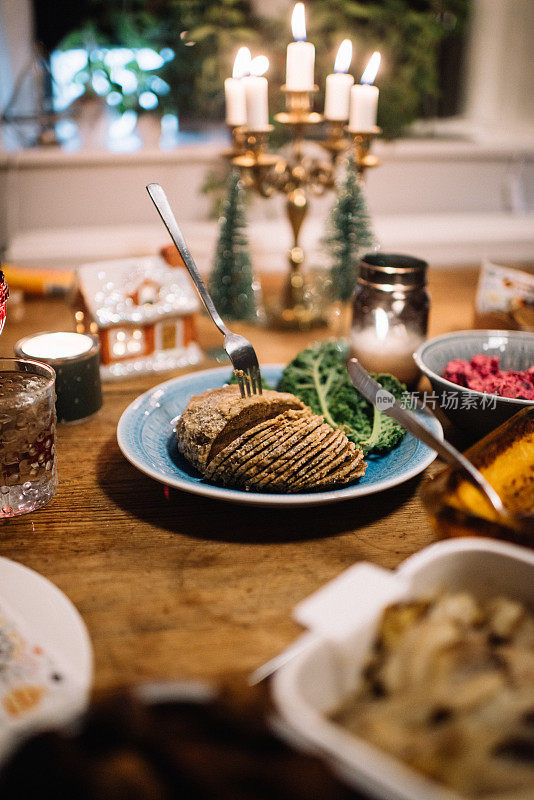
(407, 32)
(385, 432)
(318, 376)
(348, 233)
(205, 34)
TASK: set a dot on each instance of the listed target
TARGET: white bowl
(344, 616)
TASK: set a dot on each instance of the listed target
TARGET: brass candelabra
(297, 177)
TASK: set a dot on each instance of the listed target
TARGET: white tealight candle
(256, 95)
(300, 64)
(338, 85)
(75, 358)
(387, 349)
(364, 98)
(57, 345)
(234, 89)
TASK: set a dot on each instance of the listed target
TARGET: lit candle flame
(381, 324)
(242, 63)
(344, 56)
(259, 65)
(371, 69)
(298, 23)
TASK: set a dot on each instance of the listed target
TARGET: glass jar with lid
(390, 314)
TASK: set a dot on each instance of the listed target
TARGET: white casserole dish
(342, 618)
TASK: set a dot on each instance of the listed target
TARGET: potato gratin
(449, 690)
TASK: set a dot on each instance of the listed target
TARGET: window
(170, 334)
(126, 343)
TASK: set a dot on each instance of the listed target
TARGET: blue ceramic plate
(146, 437)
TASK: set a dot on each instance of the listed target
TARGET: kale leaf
(318, 376)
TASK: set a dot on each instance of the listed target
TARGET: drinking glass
(28, 460)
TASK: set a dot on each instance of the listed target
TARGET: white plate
(146, 437)
(56, 624)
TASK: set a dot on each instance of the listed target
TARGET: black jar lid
(390, 271)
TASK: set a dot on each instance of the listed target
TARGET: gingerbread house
(142, 310)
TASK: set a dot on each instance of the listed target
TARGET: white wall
(500, 66)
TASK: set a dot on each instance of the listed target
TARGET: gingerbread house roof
(109, 290)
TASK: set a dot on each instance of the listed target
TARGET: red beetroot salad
(483, 374)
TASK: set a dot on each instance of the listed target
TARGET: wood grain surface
(172, 585)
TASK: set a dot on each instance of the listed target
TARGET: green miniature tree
(349, 233)
(231, 281)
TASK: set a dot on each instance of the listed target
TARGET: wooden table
(174, 585)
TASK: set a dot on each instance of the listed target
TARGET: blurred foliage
(408, 33)
(145, 83)
(214, 186)
(205, 35)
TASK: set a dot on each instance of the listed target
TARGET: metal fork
(240, 351)
(386, 403)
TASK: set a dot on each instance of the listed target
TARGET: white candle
(236, 113)
(234, 90)
(338, 85)
(75, 358)
(364, 98)
(256, 95)
(300, 62)
(384, 349)
(57, 345)
(363, 107)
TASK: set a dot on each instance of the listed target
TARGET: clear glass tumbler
(28, 460)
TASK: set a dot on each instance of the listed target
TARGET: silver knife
(387, 404)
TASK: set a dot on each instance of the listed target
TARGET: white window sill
(418, 148)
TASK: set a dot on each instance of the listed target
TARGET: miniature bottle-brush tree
(231, 280)
(349, 234)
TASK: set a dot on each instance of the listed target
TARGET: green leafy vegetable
(385, 432)
(318, 376)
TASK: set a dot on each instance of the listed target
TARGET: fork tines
(249, 382)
